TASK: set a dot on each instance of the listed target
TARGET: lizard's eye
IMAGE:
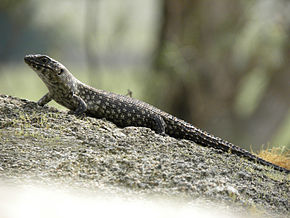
(44, 60)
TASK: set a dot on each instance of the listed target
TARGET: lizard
(83, 100)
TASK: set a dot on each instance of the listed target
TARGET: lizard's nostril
(27, 59)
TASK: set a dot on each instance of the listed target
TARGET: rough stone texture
(44, 144)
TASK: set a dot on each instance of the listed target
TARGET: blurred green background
(221, 65)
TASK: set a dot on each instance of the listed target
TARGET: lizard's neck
(63, 88)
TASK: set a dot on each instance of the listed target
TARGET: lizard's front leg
(81, 106)
(45, 99)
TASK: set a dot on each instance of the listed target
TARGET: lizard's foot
(163, 134)
(78, 115)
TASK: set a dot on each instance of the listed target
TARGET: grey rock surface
(45, 144)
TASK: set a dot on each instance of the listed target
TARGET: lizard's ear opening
(60, 71)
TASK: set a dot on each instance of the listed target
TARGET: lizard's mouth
(28, 59)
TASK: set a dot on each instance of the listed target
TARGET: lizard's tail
(188, 131)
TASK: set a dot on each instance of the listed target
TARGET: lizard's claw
(78, 115)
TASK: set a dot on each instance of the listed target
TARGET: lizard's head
(44, 64)
(48, 69)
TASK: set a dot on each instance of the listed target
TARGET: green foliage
(9, 5)
(224, 67)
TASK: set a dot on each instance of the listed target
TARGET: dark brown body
(124, 111)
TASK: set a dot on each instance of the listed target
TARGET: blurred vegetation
(224, 65)
(221, 65)
(278, 155)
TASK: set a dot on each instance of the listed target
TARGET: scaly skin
(82, 99)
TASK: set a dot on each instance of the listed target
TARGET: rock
(45, 144)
